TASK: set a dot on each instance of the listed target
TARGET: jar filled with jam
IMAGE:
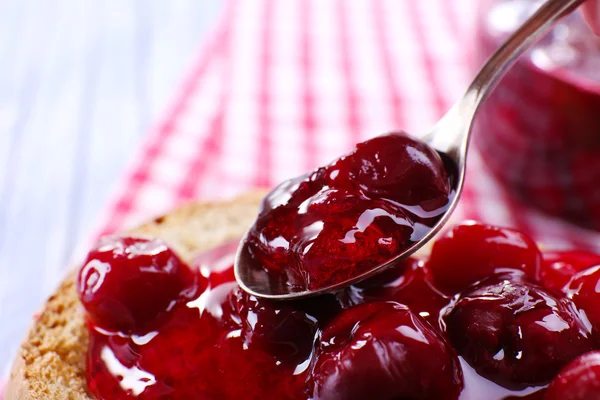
(539, 132)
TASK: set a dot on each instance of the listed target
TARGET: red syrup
(393, 336)
(339, 221)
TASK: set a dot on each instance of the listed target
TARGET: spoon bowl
(449, 137)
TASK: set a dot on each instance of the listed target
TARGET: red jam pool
(485, 316)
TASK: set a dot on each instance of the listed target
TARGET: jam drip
(339, 221)
(410, 333)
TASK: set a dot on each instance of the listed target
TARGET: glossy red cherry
(472, 251)
(397, 167)
(516, 333)
(578, 259)
(584, 289)
(282, 329)
(559, 266)
(126, 282)
(270, 238)
(383, 351)
(580, 380)
(407, 283)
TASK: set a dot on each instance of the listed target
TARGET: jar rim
(570, 77)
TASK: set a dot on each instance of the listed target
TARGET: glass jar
(539, 132)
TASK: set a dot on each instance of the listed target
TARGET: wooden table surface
(81, 81)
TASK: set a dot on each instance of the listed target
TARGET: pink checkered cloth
(284, 86)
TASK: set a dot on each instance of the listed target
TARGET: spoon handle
(527, 34)
(451, 133)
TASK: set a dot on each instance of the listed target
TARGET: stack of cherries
(341, 220)
(485, 316)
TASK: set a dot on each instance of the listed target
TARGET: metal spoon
(449, 136)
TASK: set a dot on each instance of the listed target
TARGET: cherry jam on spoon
(377, 205)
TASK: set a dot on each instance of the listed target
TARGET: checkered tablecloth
(284, 86)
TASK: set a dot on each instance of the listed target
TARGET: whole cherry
(382, 350)
(514, 332)
(397, 167)
(579, 380)
(282, 329)
(584, 289)
(560, 266)
(472, 251)
(125, 283)
(270, 238)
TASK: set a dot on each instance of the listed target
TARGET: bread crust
(51, 361)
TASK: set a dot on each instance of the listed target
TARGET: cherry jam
(339, 221)
(421, 330)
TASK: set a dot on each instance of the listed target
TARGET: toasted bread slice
(51, 362)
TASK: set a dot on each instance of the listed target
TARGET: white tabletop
(80, 83)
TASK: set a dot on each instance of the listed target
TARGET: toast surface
(51, 361)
